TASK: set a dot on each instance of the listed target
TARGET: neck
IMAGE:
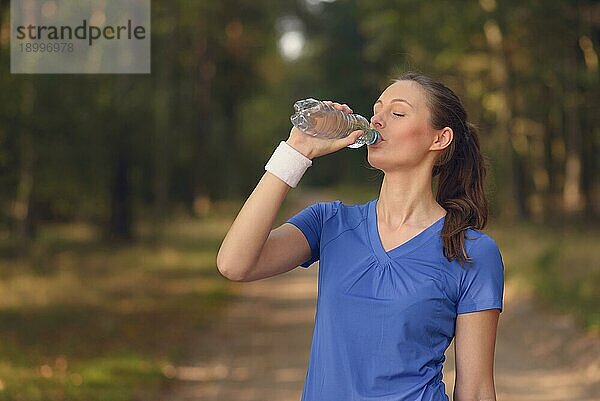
(406, 198)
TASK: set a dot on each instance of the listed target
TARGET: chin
(376, 161)
(385, 163)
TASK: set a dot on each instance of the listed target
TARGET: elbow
(486, 397)
(231, 274)
(229, 270)
(480, 394)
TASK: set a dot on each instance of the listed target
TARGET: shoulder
(481, 282)
(341, 210)
(480, 245)
(350, 210)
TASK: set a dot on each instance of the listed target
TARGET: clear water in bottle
(324, 121)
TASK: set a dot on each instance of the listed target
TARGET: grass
(83, 320)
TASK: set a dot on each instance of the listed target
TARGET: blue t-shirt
(384, 319)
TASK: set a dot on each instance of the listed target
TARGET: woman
(399, 276)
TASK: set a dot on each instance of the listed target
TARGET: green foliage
(558, 264)
(219, 98)
(566, 278)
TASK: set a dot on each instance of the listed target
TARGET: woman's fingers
(350, 139)
(343, 107)
(355, 135)
(339, 106)
(316, 147)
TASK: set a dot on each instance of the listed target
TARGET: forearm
(246, 237)
(242, 247)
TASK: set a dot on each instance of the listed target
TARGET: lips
(379, 142)
(380, 135)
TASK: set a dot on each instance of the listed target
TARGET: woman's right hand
(312, 147)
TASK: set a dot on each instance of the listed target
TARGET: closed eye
(399, 114)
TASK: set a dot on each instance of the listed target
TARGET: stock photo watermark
(80, 37)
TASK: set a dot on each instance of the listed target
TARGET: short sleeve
(482, 282)
(310, 221)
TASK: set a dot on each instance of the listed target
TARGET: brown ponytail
(460, 168)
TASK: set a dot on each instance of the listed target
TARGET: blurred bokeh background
(116, 190)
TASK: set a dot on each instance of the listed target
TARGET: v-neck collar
(402, 249)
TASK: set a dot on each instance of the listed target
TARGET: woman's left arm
(474, 344)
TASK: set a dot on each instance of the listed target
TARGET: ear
(442, 138)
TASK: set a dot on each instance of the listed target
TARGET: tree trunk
(162, 119)
(573, 202)
(23, 224)
(590, 133)
(121, 213)
(553, 155)
(206, 69)
(513, 197)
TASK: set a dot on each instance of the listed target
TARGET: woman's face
(401, 116)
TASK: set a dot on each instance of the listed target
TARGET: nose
(377, 121)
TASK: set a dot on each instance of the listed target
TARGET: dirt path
(259, 350)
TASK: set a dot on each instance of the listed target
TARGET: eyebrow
(398, 99)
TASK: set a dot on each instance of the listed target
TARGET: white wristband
(288, 164)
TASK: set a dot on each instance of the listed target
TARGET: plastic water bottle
(322, 120)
